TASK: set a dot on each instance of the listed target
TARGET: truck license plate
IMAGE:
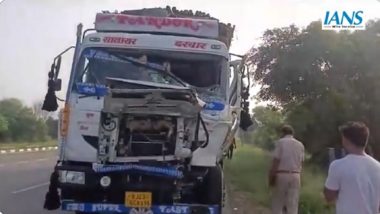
(138, 199)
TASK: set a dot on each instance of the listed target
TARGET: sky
(33, 32)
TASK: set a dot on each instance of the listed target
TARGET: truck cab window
(198, 74)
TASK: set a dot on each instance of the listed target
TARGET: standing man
(284, 175)
(353, 182)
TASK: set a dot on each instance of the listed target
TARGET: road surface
(24, 180)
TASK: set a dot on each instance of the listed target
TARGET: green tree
(52, 125)
(268, 120)
(3, 126)
(22, 123)
(321, 79)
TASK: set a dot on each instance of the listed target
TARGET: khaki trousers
(286, 193)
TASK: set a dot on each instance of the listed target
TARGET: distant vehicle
(152, 107)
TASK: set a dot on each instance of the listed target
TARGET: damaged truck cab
(152, 106)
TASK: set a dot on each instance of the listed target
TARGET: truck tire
(214, 186)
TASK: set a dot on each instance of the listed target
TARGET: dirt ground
(240, 203)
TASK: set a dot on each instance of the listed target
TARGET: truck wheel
(214, 186)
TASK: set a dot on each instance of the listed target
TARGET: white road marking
(41, 159)
(30, 188)
(29, 149)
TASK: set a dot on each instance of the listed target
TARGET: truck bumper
(158, 209)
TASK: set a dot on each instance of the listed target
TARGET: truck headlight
(73, 177)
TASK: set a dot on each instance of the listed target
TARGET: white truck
(152, 107)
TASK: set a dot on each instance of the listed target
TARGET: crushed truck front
(147, 116)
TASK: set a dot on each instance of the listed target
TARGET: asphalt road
(24, 179)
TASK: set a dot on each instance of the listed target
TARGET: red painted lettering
(196, 26)
(140, 21)
(132, 21)
(189, 45)
(155, 22)
(187, 23)
(119, 40)
(122, 19)
(201, 45)
(132, 41)
(151, 21)
(178, 43)
(166, 22)
(176, 22)
(195, 45)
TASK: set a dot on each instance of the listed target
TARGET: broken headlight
(73, 177)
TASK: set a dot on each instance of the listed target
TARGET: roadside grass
(247, 172)
(23, 145)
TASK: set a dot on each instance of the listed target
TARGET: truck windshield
(200, 71)
(96, 65)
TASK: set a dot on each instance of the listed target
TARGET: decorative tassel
(52, 198)
(245, 120)
(50, 102)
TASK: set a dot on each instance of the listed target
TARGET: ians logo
(344, 20)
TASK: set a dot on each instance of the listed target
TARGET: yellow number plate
(138, 199)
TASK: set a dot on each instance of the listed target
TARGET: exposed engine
(146, 136)
(139, 125)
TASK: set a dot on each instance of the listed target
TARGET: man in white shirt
(353, 182)
(284, 175)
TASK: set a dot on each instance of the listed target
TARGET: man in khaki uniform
(284, 175)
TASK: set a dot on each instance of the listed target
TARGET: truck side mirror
(58, 84)
(54, 84)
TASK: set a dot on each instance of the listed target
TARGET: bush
(311, 197)
(248, 169)
(248, 172)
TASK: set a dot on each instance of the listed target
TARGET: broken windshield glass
(100, 65)
(203, 72)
